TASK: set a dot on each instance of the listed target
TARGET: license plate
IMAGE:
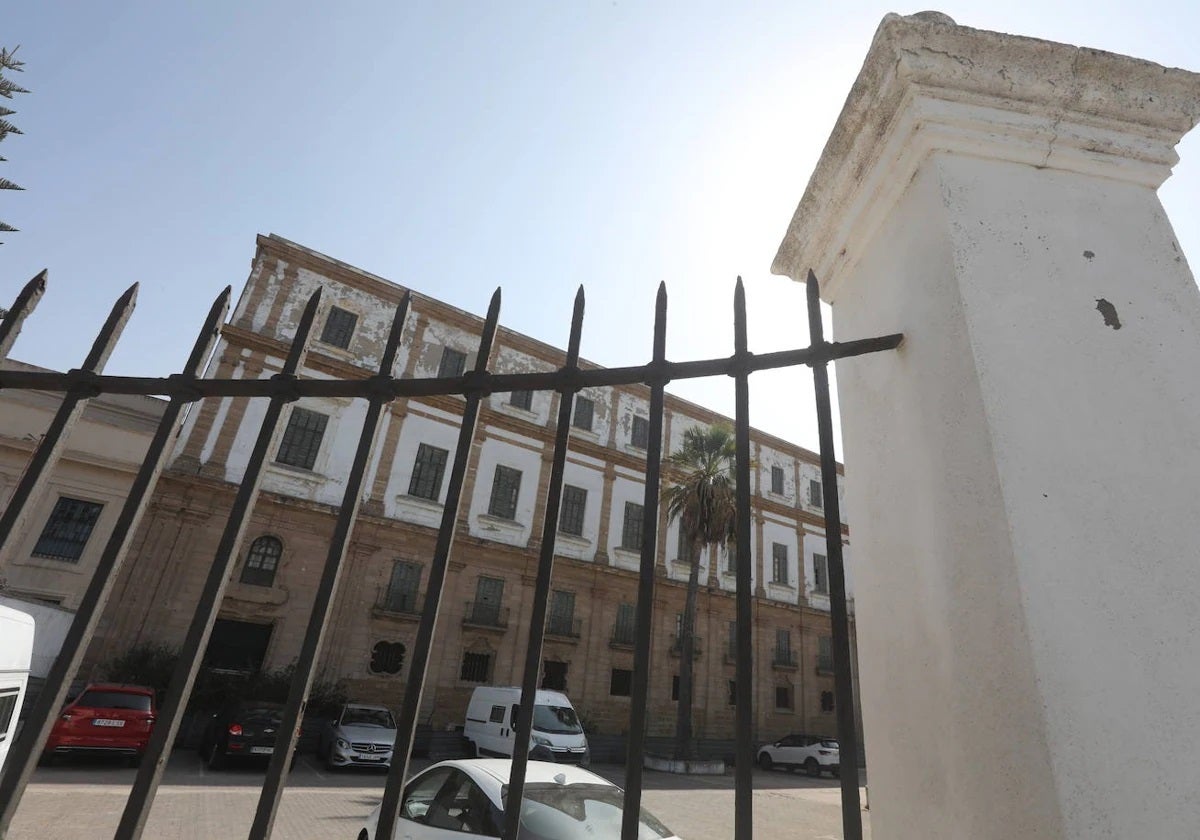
(363, 757)
(262, 750)
(107, 722)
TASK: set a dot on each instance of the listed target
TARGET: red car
(105, 719)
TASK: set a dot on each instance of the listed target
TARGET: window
(825, 654)
(777, 480)
(733, 692)
(489, 593)
(497, 715)
(570, 519)
(506, 488)
(815, 497)
(554, 675)
(624, 631)
(620, 684)
(67, 530)
(779, 562)
(430, 466)
(339, 327)
(453, 363)
(640, 433)
(8, 707)
(783, 697)
(731, 558)
(820, 574)
(584, 410)
(402, 587)
(631, 529)
(476, 667)
(783, 647)
(681, 550)
(302, 438)
(826, 701)
(521, 399)
(562, 614)
(262, 561)
(675, 688)
(732, 640)
(387, 658)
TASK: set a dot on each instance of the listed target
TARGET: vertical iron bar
(843, 689)
(743, 814)
(27, 748)
(26, 302)
(268, 801)
(407, 725)
(541, 587)
(631, 819)
(71, 408)
(145, 785)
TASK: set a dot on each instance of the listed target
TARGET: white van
(557, 734)
(16, 653)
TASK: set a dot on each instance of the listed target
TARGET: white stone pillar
(1024, 473)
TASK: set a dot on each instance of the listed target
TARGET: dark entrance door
(237, 645)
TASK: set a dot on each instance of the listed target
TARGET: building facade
(482, 628)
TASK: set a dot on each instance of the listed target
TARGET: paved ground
(85, 800)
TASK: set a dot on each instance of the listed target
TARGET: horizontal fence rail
(80, 385)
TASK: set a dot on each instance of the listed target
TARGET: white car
(812, 754)
(466, 796)
(361, 736)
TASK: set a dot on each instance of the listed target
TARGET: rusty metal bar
(541, 587)
(81, 387)
(842, 686)
(483, 382)
(145, 785)
(743, 804)
(380, 395)
(415, 686)
(27, 749)
(26, 302)
(635, 755)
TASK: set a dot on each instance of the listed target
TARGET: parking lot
(84, 800)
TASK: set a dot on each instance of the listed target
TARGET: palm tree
(703, 499)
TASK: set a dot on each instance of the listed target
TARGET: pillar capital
(929, 85)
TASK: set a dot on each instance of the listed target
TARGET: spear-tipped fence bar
(27, 300)
(79, 385)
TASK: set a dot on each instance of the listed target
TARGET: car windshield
(114, 700)
(556, 720)
(578, 812)
(368, 717)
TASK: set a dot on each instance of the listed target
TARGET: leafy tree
(703, 500)
(8, 63)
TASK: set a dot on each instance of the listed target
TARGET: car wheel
(216, 758)
(765, 762)
(812, 767)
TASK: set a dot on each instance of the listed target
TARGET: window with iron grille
(815, 494)
(574, 502)
(476, 667)
(820, 574)
(783, 697)
(302, 438)
(826, 701)
(506, 488)
(777, 480)
(733, 692)
(640, 433)
(387, 658)
(620, 684)
(562, 613)
(428, 469)
(584, 409)
(554, 675)
(67, 530)
(521, 399)
(779, 562)
(403, 586)
(453, 363)
(262, 561)
(631, 528)
(825, 653)
(339, 327)
(783, 645)
(489, 594)
(624, 631)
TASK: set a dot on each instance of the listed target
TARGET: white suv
(813, 753)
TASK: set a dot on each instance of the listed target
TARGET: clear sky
(453, 147)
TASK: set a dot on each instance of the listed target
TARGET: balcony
(563, 626)
(784, 659)
(697, 646)
(824, 663)
(484, 614)
(402, 604)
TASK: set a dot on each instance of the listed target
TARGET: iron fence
(181, 389)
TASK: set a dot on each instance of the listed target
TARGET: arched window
(262, 561)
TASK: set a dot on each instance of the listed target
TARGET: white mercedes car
(467, 796)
